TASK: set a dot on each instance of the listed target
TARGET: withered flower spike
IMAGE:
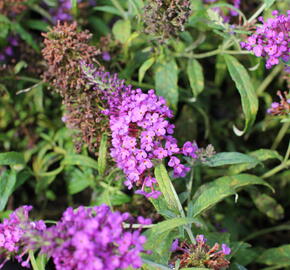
(65, 48)
(166, 18)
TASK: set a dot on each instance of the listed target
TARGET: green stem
(280, 136)
(287, 153)
(212, 53)
(33, 261)
(277, 169)
(257, 13)
(269, 79)
(189, 186)
(23, 78)
(266, 231)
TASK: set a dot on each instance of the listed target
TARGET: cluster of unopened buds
(200, 254)
(282, 107)
(271, 39)
(141, 133)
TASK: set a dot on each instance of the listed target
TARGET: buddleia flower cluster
(165, 18)
(16, 235)
(85, 238)
(282, 107)
(271, 40)
(94, 239)
(200, 254)
(141, 133)
(65, 47)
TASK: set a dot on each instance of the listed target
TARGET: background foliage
(219, 95)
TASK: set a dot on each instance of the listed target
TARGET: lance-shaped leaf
(195, 76)
(7, 184)
(245, 87)
(167, 188)
(210, 194)
(102, 160)
(229, 158)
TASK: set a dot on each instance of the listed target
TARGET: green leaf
(245, 87)
(210, 194)
(37, 25)
(166, 77)
(167, 188)
(102, 160)
(122, 30)
(108, 9)
(11, 158)
(279, 256)
(7, 184)
(241, 180)
(169, 225)
(80, 160)
(144, 67)
(269, 3)
(220, 70)
(260, 155)
(160, 245)
(79, 181)
(156, 265)
(20, 65)
(4, 26)
(195, 76)
(268, 205)
(26, 36)
(229, 158)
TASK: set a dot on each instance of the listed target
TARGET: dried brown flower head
(200, 255)
(166, 18)
(65, 48)
(11, 8)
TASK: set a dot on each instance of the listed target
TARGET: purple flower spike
(141, 133)
(95, 239)
(271, 39)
